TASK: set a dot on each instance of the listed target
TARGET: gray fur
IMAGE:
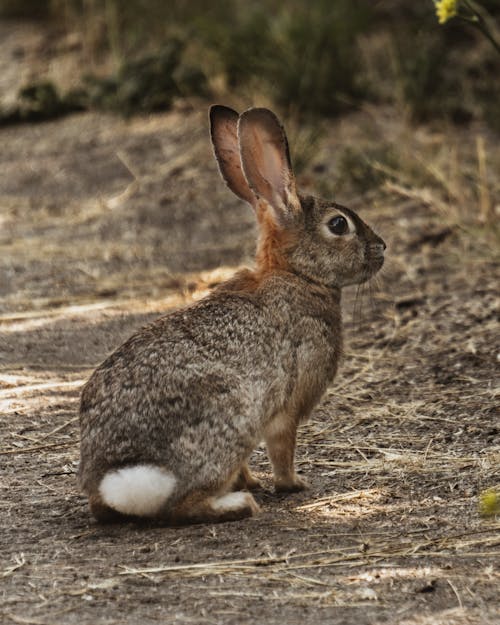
(195, 391)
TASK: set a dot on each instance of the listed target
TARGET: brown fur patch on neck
(245, 281)
(273, 243)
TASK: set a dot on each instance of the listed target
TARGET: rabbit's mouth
(372, 265)
(377, 262)
(375, 257)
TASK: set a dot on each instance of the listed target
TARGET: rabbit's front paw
(253, 483)
(246, 479)
(293, 485)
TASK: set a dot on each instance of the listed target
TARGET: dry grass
(397, 453)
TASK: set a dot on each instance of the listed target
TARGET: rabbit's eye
(338, 225)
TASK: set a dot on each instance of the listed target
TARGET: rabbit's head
(315, 238)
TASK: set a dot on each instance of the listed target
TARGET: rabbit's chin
(367, 272)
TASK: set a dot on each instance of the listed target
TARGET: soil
(106, 224)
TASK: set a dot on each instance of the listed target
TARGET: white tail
(140, 490)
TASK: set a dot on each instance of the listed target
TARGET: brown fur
(246, 480)
(188, 397)
(273, 243)
(198, 508)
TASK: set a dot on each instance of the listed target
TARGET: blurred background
(391, 106)
(309, 59)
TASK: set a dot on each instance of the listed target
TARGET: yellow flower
(489, 502)
(446, 9)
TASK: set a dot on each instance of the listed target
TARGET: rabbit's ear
(265, 158)
(223, 131)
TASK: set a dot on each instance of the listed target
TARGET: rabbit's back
(201, 383)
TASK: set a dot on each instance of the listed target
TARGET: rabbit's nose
(380, 243)
(379, 247)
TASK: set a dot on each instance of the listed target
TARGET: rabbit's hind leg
(200, 508)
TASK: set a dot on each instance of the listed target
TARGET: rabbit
(169, 420)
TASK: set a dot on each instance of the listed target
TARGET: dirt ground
(106, 224)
